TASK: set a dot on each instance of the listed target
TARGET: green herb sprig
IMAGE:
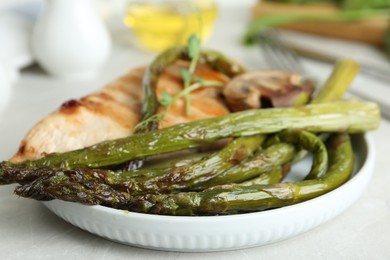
(167, 100)
(187, 75)
(193, 47)
(190, 83)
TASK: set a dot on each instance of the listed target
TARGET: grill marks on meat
(109, 113)
(115, 110)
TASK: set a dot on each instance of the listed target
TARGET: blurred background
(48, 43)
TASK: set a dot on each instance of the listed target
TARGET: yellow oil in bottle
(159, 25)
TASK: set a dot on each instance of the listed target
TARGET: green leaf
(166, 99)
(194, 44)
(186, 76)
(199, 80)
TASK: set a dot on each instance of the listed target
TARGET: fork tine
(277, 54)
(274, 52)
(292, 62)
(285, 60)
(290, 57)
(272, 57)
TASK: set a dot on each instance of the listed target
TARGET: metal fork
(279, 56)
(286, 56)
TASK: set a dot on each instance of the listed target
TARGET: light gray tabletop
(30, 231)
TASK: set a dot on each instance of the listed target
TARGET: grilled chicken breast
(115, 110)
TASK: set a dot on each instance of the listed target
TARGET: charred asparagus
(222, 199)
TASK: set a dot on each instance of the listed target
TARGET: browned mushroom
(267, 88)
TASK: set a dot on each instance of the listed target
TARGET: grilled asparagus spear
(222, 199)
(276, 155)
(338, 82)
(262, 162)
(328, 117)
(182, 177)
(162, 180)
(275, 175)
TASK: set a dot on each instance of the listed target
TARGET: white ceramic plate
(217, 233)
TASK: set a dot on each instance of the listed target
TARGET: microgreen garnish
(190, 83)
(186, 76)
(193, 48)
(166, 99)
(194, 44)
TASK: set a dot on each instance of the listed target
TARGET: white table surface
(30, 231)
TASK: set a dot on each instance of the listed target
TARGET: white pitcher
(70, 40)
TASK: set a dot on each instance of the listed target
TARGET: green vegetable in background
(365, 4)
(304, 1)
(387, 42)
(265, 21)
(352, 10)
(345, 4)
